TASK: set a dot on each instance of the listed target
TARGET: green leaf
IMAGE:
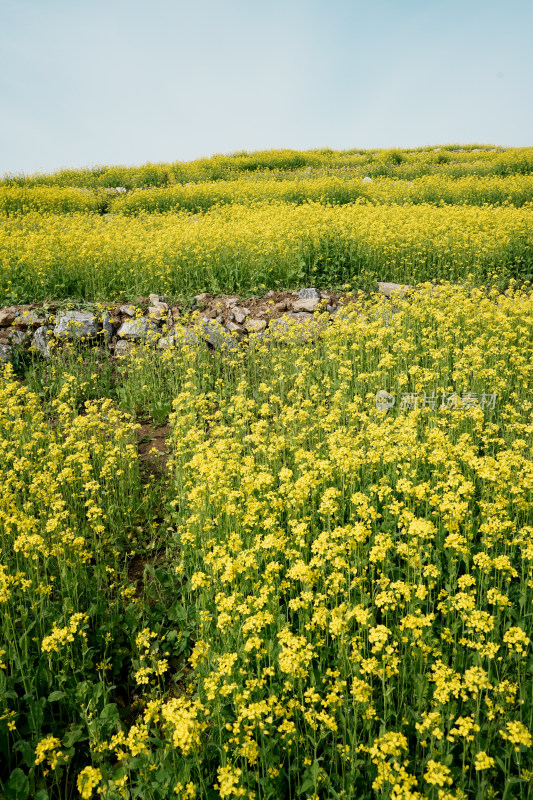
(57, 695)
(73, 736)
(176, 612)
(109, 713)
(18, 786)
(28, 753)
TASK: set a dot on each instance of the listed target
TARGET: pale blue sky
(85, 82)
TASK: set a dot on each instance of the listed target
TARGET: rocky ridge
(221, 321)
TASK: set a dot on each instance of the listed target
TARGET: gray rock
(76, 325)
(122, 348)
(30, 318)
(128, 310)
(136, 329)
(233, 328)
(309, 294)
(342, 314)
(181, 337)
(17, 338)
(304, 325)
(107, 325)
(156, 312)
(6, 352)
(386, 315)
(387, 288)
(41, 342)
(217, 336)
(157, 302)
(255, 325)
(8, 315)
(240, 314)
(200, 298)
(307, 304)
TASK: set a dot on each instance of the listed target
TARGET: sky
(92, 82)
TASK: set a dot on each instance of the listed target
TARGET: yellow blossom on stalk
(88, 780)
(48, 750)
(516, 640)
(437, 774)
(60, 636)
(228, 782)
(517, 734)
(483, 761)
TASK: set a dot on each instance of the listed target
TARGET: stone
(41, 341)
(367, 179)
(17, 337)
(386, 315)
(201, 298)
(342, 315)
(255, 325)
(157, 302)
(6, 352)
(123, 347)
(233, 328)
(303, 324)
(183, 336)
(135, 329)
(303, 317)
(8, 315)
(309, 294)
(107, 325)
(387, 288)
(128, 310)
(179, 338)
(308, 305)
(217, 336)
(156, 312)
(30, 318)
(240, 314)
(76, 325)
(281, 306)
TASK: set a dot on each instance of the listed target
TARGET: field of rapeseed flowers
(326, 592)
(237, 224)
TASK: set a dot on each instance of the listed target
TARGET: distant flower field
(241, 247)
(324, 223)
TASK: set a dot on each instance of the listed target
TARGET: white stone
(306, 305)
(76, 325)
(141, 328)
(309, 294)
